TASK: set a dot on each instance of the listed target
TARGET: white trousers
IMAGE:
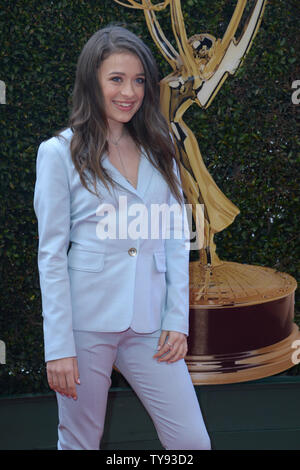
(166, 391)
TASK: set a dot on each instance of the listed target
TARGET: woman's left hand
(174, 344)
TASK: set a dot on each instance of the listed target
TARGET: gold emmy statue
(241, 316)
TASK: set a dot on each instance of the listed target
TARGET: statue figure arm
(230, 53)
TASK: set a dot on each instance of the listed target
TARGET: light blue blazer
(89, 282)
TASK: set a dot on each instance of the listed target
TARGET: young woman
(114, 290)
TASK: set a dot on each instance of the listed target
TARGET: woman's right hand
(62, 375)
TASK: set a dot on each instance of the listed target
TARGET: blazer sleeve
(52, 208)
(177, 246)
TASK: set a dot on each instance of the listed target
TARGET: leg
(81, 422)
(166, 391)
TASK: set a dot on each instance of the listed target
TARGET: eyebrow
(122, 73)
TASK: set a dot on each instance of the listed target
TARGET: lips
(124, 105)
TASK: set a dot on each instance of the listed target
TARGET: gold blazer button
(132, 251)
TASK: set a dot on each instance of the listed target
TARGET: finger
(53, 378)
(170, 352)
(55, 382)
(71, 388)
(161, 343)
(68, 381)
(50, 380)
(179, 348)
(179, 355)
(179, 340)
(76, 372)
(69, 378)
(164, 349)
(167, 357)
(62, 383)
(176, 337)
(162, 339)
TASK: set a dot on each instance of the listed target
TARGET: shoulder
(61, 142)
(55, 152)
(57, 148)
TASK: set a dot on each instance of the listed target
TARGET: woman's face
(122, 79)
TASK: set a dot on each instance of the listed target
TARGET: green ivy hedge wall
(249, 139)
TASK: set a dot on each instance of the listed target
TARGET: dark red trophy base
(238, 343)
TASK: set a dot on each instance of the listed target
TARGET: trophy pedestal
(241, 323)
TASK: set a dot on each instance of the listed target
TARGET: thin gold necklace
(116, 144)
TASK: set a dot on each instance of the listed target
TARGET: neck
(115, 130)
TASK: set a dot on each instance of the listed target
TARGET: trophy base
(241, 323)
(243, 366)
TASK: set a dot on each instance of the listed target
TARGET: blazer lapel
(145, 173)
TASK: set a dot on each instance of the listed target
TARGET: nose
(128, 89)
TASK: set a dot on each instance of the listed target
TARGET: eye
(116, 79)
(140, 81)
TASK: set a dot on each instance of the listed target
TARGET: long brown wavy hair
(88, 121)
